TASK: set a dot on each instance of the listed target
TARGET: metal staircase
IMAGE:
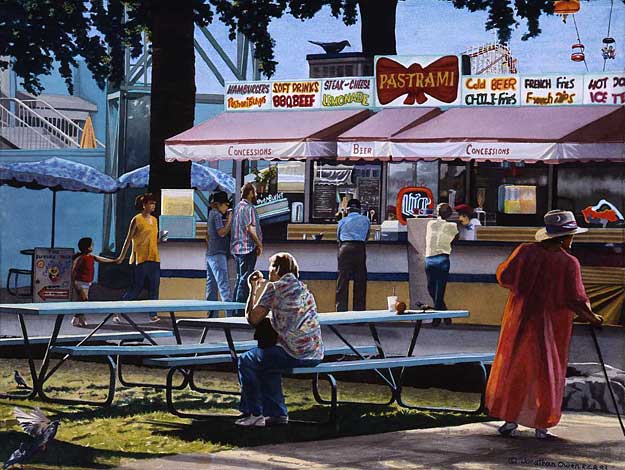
(34, 124)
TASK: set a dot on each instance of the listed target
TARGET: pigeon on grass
(42, 430)
(19, 380)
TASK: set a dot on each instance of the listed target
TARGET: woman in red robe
(527, 379)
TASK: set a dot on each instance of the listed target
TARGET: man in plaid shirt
(246, 243)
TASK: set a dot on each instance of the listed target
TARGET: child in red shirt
(83, 272)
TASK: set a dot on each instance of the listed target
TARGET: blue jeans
(148, 272)
(261, 380)
(217, 279)
(245, 266)
(437, 272)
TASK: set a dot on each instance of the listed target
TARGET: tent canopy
(551, 135)
(264, 135)
(370, 139)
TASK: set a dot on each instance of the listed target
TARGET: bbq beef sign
(413, 201)
(417, 81)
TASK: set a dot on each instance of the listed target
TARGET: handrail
(65, 119)
(26, 111)
(5, 111)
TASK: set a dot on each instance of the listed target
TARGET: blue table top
(118, 306)
(336, 318)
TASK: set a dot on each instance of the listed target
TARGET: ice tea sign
(549, 90)
(52, 277)
(414, 201)
(490, 91)
(417, 81)
(604, 89)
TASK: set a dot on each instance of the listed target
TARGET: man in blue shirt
(352, 234)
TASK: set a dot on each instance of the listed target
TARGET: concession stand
(513, 147)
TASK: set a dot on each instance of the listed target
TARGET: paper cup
(391, 300)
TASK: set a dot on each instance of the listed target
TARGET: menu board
(324, 201)
(369, 192)
(604, 88)
(247, 96)
(347, 93)
(303, 94)
(550, 90)
(490, 90)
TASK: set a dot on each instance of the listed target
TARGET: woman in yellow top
(143, 234)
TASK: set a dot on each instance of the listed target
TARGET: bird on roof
(332, 47)
(19, 380)
(37, 425)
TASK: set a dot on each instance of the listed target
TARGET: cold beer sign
(413, 201)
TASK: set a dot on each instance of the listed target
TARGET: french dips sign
(417, 81)
(413, 201)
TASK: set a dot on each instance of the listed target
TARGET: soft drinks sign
(413, 201)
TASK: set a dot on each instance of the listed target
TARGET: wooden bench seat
(68, 339)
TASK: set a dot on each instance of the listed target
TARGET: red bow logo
(438, 80)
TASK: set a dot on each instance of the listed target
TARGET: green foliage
(34, 33)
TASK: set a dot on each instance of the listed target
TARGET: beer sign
(413, 201)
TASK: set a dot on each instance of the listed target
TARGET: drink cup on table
(391, 301)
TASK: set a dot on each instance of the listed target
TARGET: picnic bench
(108, 309)
(382, 365)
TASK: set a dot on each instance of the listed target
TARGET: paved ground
(585, 441)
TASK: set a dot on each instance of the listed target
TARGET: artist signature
(545, 463)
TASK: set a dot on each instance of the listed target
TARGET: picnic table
(382, 365)
(109, 308)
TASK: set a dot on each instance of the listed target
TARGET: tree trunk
(378, 26)
(172, 108)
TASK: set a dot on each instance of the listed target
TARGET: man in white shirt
(439, 234)
(468, 222)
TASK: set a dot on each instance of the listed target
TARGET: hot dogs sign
(411, 81)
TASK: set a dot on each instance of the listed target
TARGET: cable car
(608, 51)
(564, 8)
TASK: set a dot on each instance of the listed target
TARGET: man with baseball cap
(352, 234)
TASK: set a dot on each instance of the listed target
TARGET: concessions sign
(604, 89)
(413, 201)
(550, 90)
(490, 90)
(52, 275)
(417, 81)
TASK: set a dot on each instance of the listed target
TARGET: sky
(435, 27)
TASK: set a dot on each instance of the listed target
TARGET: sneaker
(542, 433)
(79, 322)
(153, 319)
(117, 319)
(508, 428)
(251, 421)
(276, 420)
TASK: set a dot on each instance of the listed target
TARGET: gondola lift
(608, 51)
(564, 8)
(577, 54)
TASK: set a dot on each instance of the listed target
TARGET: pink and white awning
(548, 135)
(264, 135)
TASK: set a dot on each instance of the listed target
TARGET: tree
(35, 33)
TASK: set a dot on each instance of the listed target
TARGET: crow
(37, 425)
(19, 380)
(332, 47)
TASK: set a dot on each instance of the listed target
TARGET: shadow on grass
(64, 454)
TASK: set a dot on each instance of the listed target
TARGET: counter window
(280, 187)
(334, 185)
(511, 194)
(406, 174)
(593, 192)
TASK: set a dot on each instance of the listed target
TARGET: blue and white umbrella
(56, 174)
(202, 178)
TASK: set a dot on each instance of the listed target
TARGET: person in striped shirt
(246, 243)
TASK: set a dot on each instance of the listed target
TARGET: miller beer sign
(413, 201)
(417, 80)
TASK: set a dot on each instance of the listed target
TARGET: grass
(137, 425)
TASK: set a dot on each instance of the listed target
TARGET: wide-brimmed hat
(558, 224)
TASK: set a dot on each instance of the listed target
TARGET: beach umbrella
(88, 140)
(56, 174)
(202, 178)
